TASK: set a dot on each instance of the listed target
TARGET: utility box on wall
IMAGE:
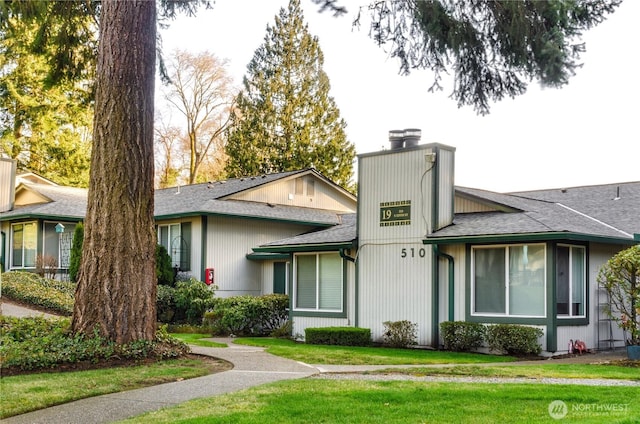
(405, 193)
(209, 276)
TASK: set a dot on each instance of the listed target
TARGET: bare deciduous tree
(202, 92)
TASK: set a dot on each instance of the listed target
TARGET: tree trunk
(116, 291)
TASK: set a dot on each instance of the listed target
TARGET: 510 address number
(412, 252)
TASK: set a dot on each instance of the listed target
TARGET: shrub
(164, 271)
(342, 336)
(76, 252)
(462, 336)
(165, 304)
(39, 343)
(46, 266)
(400, 333)
(27, 287)
(192, 299)
(514, 339)
(249, 315)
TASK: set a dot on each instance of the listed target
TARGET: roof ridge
(611, 227)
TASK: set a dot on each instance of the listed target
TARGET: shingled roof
(211, 198)
(606, 212)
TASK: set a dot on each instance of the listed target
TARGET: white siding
(324, 195)
(229, 240)
(463, 205)
(395, 268)
(445, 193)
(7, 183)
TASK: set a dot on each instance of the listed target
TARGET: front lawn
(331, 401)
(343, 355)
(30, 392)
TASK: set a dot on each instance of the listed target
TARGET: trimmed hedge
(462, 336)
(28, 287)
(514, 339)
(341, 336)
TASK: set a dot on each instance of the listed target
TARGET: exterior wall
(599, 330)
(7, 187)
(394, 268)
(463, 205)
(229, 240)
(284, 193)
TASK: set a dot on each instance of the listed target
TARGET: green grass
(29, 392)
(343, 355)
(330, 401)
(544, 370)
(196, 339)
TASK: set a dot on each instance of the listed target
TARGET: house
(424, 250)
(207, 229)
(413, 247)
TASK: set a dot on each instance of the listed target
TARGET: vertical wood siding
(284, 193)
(229, 240)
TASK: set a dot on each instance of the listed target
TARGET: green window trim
(24, 245)
(176, 238)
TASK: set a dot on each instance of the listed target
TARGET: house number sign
(395, 213)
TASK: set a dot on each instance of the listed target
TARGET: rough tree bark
(116, 292)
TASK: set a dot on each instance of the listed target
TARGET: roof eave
(526, 237)
(314, 247)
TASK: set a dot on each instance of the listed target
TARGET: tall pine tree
(285, 118)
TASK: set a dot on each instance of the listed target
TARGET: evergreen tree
(285, 119)
(46, 128)
(76, 252)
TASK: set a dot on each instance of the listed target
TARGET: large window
(509, 280)
(24, 242)
(176, 238)
(318, 282)
(570, 281)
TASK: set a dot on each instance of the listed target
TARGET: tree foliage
(493, 48)
(45, 127)
(200, 90)
(284, 117)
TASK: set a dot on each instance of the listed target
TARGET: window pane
(577, 281)
(51, 240)
(163, 236)
(30, 244)
(306, 281)
(562, 280)
(175, 247)
(16, 254)
(526, 280)
(330, 281)
(489, 280)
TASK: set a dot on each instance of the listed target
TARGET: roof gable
(306, 188)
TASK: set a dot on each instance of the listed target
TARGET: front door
(279, 277)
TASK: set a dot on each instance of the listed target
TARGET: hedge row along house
(412, 247)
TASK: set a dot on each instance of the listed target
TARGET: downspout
(343, 255)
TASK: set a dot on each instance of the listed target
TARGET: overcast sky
(585, 133)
